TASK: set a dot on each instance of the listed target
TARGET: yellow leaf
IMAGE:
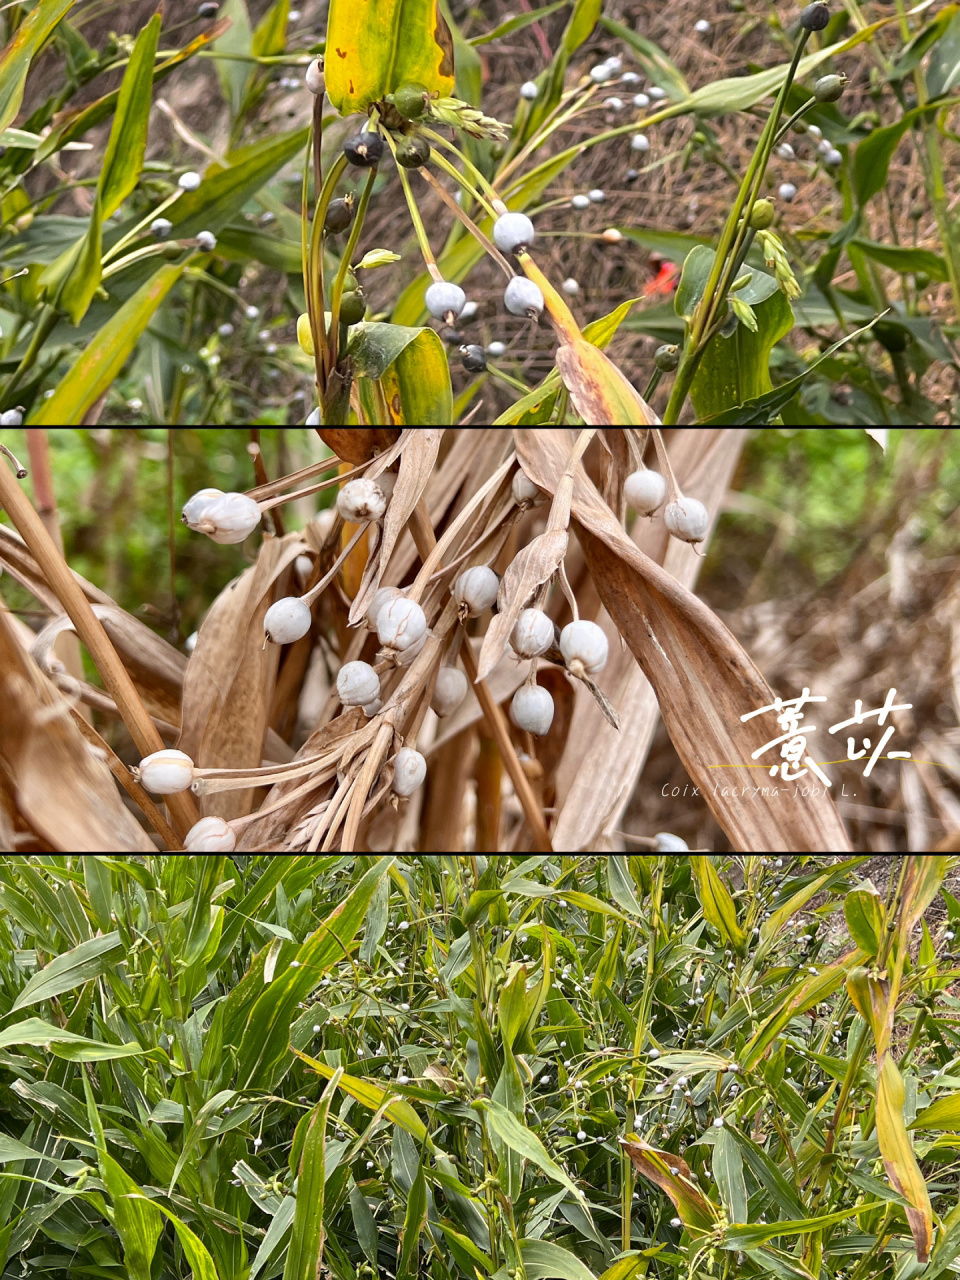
(375, 46)
(898, 1158)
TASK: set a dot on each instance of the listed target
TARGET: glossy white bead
(361, 500)
(667, 843)
(230, 518)
(287, 620)
(532, 634)
(532, 709)
(644, 491)
(406, 656)
(524, 490)
(194, 506)
(210, 835)
(370, 709)
(443, 297)
(585, 644)
(687, 519)
(476, 589)
(450, 690)
(314, 78)
(357, 684)
(522, 297)
(409, 771)
(513, 232)
(400, 623)
(166, 772)
(382, 596)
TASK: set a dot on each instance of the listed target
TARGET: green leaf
(942, 1114)
(65, 1044)
(224, 191)
(197, 1254)
(865, 919)
(543, 1260)
(71, 969)
(621, 885)
(413, 369)
(904, 257)
(138, 1221)
(728, 1171)
(105, 355)
(373, 1096)
(364, 1224)
(761, 410)
(625, 1267)
(748, 1237)
(718, 907)
(769, 1175)
(263, 1042)
(693, 280)
(511, 1010)
(305, 1253)
(20, 51)
(374, 48)
(414, 1219)
(270, 37)
(123, 159)
(235, 73)
(943, 66)
(871, 159)
(517, 23)
(526, 1143)
(736, 370)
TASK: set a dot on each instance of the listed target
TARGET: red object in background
(665, 281)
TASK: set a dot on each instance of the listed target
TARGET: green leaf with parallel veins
(102, 359)
(375, 46)
(526, 1143)
(123, 159)
(71, 969)
(20, 51)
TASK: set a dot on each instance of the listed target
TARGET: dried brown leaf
(228, 687)
(703, 679)
(357, 444)
(534, 565)
(61, 789)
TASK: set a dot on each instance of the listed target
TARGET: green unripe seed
(411, 100)
(829, 88)
(762, 215)
(413, 153)
(667, 357)
(172, 249)
(352, 308)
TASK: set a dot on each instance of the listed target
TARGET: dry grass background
(678, 190)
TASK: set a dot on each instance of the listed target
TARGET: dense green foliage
(447, 1051)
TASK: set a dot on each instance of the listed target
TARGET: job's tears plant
(603, 1066)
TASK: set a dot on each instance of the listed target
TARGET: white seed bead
(585, 644)
(210, 835)
(476, 589)
(230, 518)
(287, 620)
(532, 709)
(194, 506)
(361, 500)
(645, 491)
(382, 596)
(667, 843)
(687, 519)
(166, 772)
(409, 771)
(524, 490)
(400, 623)
(450, 690)
(357, 684)
(406, 656)
(533, 633)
